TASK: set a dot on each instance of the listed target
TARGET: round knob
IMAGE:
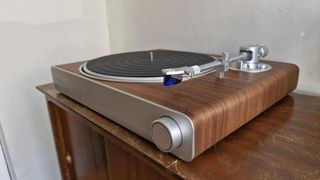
(166, 134)
(263, 50)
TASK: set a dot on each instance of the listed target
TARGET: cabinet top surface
(282, 142)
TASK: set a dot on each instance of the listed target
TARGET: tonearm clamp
(246, 61)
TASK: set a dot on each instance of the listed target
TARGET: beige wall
(34, 35)
(291, 29)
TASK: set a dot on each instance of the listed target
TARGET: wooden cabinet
(87, 152)
(281, 143)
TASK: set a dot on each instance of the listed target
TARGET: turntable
(183, 102)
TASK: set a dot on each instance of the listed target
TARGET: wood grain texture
(217, 107)
(280, 143)
(67, 171)
(126, 164)
(85, 147)
(95, 154)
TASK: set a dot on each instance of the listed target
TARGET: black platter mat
(140, 64)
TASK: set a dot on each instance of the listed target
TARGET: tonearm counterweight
(246, 61)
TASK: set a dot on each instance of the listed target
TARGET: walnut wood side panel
(93, 153)
(217, 107)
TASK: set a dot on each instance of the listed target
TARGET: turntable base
(205, 109)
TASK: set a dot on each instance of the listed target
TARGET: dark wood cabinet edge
(68, 171)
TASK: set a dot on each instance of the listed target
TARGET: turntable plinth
(207, 109)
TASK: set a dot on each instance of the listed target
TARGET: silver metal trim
(86, 72)
(250, 68)
(75, 90)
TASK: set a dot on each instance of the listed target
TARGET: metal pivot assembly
(246, 61)
(251, 63)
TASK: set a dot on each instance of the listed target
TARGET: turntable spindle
(151, 56)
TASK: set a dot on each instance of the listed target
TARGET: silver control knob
(166, 134)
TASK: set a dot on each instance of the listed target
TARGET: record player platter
(142, 66)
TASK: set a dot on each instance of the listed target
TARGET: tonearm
(246, 61)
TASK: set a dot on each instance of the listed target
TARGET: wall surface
(4, 173)
(290, 28)
(34, 35)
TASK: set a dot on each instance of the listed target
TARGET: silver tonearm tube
(246, 61)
